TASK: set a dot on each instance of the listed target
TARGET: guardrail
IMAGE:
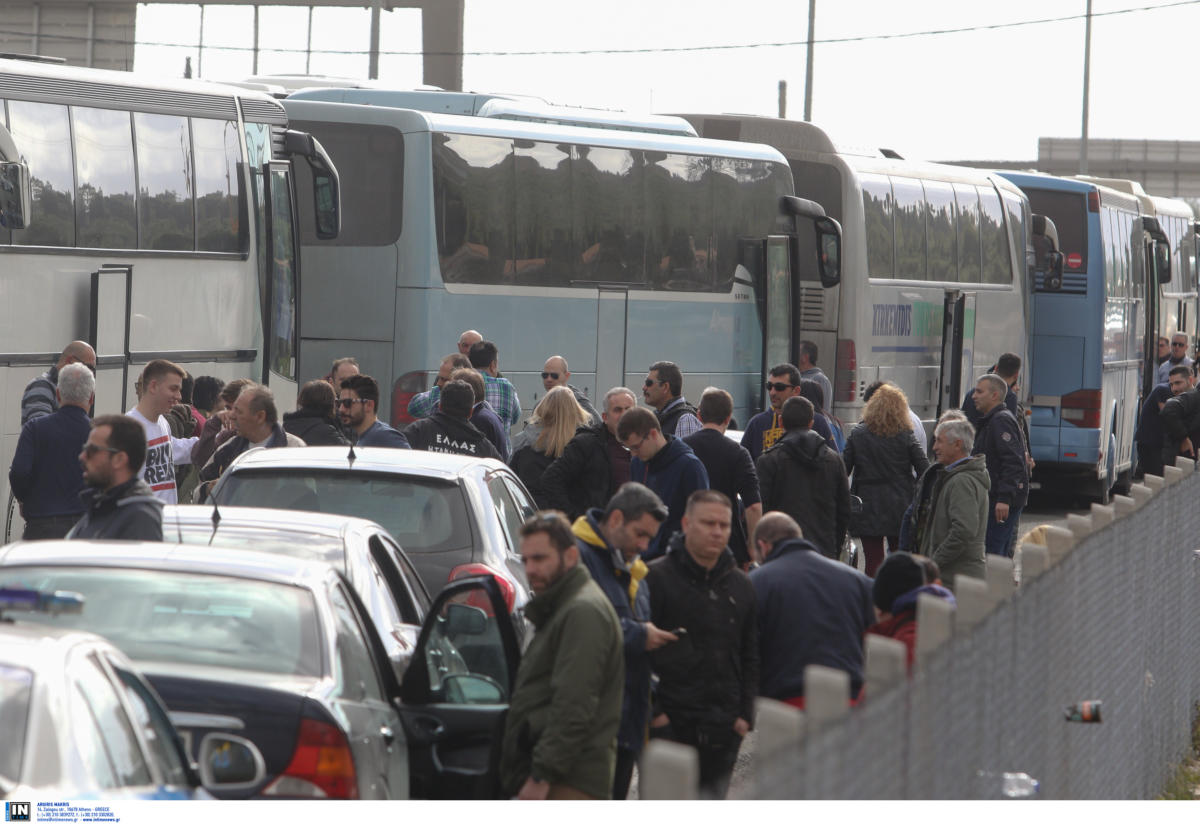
(1108, 610)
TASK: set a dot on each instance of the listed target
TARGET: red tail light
(478, 599)
(1094, 200)
(321, 767)
(406, 386)
(845, 386)
(1082, 408)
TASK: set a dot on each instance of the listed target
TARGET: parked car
(379, 571)
(272, 663)
(77, 719)
(453, 515)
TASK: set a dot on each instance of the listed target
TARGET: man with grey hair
(44, 475)
(555, 373)
(594, 464)
(1178, 357)
(949, 514)
(1000, 442)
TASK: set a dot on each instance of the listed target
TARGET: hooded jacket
(621, 583)
(1180, 419)
(442, 433)
(902, 625)
(126, 512)
(566, 705)
(802, 476)
(709, 677)
(674, 474)
(314, 428)
(581, 478)
(952, 527)
(530, 463)
(811, 610)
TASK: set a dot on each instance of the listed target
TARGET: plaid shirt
(499, 392)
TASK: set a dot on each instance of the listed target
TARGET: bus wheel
(1124, 481)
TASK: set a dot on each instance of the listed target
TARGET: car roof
(373, 458)
(325, 524)
(210, 560)
(39, 647)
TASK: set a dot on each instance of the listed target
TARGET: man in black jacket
(594, 464)
(1181, 423)
(448, 429)
(730, 468)
(119, 505)
(663, 390)
(998, 438)
(802, 476)
(709, 677)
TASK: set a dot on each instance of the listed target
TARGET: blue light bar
(30, 600)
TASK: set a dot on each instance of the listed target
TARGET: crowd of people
(677, 573)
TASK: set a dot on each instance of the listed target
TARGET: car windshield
(422, 514)
(16, 686)
(186, 618)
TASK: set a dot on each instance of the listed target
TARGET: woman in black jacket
(314, 422)
(881, 454)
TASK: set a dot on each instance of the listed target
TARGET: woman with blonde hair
(553, 424)
(881, 455)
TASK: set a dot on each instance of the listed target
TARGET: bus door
(777, 297)
(957, 349)
(108, 333)
(612, 315)
(1154, 269)
(279, 260)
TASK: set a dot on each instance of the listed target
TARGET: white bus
(614, 245)
(153, 220)
(935, 265)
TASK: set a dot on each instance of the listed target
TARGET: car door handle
(429, 726)
(388, 736)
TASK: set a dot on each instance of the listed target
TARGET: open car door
(456, 692)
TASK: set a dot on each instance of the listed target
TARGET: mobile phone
(679, 631)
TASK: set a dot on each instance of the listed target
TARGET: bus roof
(408, 121)
(105, 89)
(1080, 185)
(501, 106)
(789, 136)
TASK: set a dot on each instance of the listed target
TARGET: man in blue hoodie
(609, 542)
(665, 464)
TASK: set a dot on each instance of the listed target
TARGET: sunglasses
(651, 381)
(1179, 344)
(348, 402)
(91, 449)
(779, 387)
(551, 375)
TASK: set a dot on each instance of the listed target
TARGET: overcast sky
(984, 94)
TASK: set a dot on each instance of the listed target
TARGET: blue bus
(1092, 332)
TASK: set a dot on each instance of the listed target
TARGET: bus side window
(969, 254)
(877, 215)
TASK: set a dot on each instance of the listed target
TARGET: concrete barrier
(668, 772)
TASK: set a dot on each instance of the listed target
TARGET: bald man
(41, 396)
(466, 340)
(555, 373)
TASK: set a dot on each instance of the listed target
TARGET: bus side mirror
(1162, 261)
(829, 251)
(327, 204)
(16, 198)
(1053, 278)
(1047, 256)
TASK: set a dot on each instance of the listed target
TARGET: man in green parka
(560, 738)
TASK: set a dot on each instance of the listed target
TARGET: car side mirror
(230, 762)
(471, 688)
(464, 619)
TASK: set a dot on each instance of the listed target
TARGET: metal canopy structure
(101, 33)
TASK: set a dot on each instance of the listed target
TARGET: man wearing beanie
(898, 583)
(811, 610)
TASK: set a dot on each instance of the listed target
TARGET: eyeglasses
(1177, 343)
(551, 375)
(651, 381)
(634, 448)
(91, 449)
(348, 402)
(780, 387)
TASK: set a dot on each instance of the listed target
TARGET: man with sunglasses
(358, 402)
(39, 398)
(1178, 356)
(555, 373)
(45, 469)
(663, 390)
(765, 428)
(119, 505)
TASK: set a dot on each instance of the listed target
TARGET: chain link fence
(1116, 620)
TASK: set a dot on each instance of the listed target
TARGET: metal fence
(1114, 617)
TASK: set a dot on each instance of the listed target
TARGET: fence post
(779, 726)
(1186, 464)
(1000, 577)
(1103, 516)
(1124, 505)
(826, 695)
(1035, 559)
(886, 664)
(935, 617)
(974, 600)
(1155, 483)
(1080, 525)
(1141, 493)
(1059, 542)
(1172, 475)
(668, 772)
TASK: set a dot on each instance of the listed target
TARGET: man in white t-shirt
(162, 383)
